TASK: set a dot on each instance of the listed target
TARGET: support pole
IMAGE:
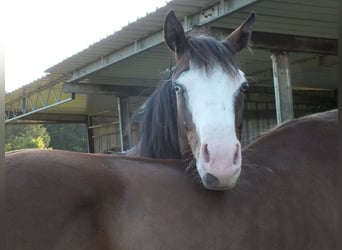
(282, 86)
(123, 119)
(91, 146)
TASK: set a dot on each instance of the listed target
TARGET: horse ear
(174, 33)
(240, 37)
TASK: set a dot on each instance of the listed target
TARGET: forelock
(206, 52)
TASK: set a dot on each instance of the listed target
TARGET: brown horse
(285, 198)
(196, 113)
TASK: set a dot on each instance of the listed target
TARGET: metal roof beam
(306, 97)
(106, 89)
(202, 17)
(43, 118)
(282, 42)
(310, 64)
(127, 81)
(290, 43)
(42, 99)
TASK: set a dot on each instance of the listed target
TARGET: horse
(284, 195)
(196, 113)
(285, 198)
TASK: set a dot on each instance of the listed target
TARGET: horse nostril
(206, 154)
(210, 180)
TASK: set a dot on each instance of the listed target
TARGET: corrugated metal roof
(313, 18)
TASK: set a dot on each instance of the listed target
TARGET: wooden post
(282, 86)
(123, 111)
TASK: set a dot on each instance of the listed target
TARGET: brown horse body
(285, 198)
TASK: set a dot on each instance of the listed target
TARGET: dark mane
(158, 124)
(206, 52)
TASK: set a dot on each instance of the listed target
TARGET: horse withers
(196, 113)
(284, 199)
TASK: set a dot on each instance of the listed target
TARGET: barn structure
(292, 69)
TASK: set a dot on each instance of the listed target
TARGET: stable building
(291, 66)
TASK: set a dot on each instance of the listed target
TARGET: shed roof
(136, 55)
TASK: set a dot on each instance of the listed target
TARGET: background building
(292, 69)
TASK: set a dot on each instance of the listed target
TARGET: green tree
(71, 137)
(20, 136)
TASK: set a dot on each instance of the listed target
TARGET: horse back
(55, 199)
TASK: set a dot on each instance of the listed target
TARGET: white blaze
(211, 101)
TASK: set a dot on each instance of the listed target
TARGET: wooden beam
(107, 89)
(282, 86)
(290, 43)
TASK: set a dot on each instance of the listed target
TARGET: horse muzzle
(219, 167)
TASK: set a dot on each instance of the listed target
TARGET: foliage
(19, 136)
(71, 137)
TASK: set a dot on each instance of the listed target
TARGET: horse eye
(244, 87)
(177, 88)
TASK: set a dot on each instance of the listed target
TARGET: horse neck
(158, 128)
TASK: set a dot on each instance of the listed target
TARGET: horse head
(198, 110)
